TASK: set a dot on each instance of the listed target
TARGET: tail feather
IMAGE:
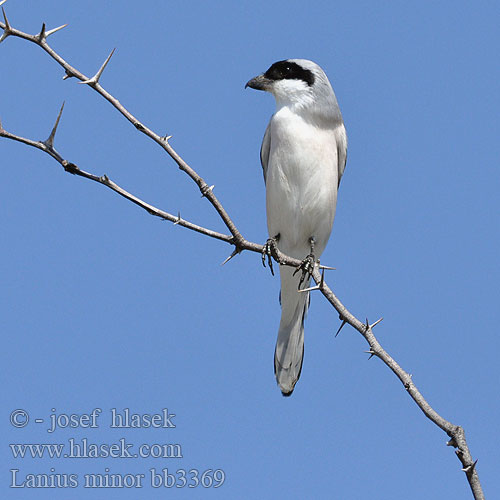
(289, 352)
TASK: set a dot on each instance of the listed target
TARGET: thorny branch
(455, 432)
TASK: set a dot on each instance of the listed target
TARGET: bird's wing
(264, 150)
(341, 138)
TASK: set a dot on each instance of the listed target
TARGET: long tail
(289, 351)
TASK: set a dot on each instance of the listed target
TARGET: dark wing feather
(264, 150)
(341, 152)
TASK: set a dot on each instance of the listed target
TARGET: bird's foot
(306, 267)
(270, 251)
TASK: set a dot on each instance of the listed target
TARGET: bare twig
(47, 147)
(456, 433)
(93, 82)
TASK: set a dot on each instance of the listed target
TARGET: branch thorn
(7, 29)
(7, 25)
(236, 251)
(376, 323)
(178, 219)
(67, 75)
(52, 31)
(369, 327)
(371, 353)
(470, 467)
(322, 282)
(317, 287)
(321, 266)
(42, 35)
(95, 78)
(166, 138)
(50, 141)
(341, 326)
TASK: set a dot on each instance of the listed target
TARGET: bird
(303, 157)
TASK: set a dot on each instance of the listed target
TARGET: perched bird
(303, 157)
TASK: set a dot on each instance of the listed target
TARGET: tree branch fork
(235, 238)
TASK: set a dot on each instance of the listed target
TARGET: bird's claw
(269, 251)
(307, 268)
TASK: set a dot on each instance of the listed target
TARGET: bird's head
(300, 84)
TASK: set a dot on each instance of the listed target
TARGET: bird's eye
(285, 71)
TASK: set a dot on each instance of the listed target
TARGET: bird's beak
(259, 83)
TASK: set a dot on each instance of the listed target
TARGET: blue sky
(103, 306)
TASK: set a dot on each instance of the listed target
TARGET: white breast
(301, 183)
